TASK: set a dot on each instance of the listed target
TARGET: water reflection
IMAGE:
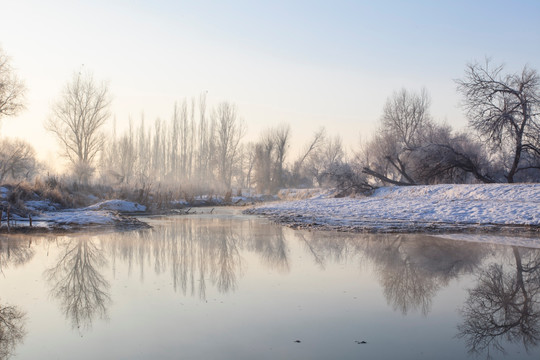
(11, 330)
(412, 272)
(76, 281)
(272, 248)
(411, 269)
(14, 251)
(505, 304)
(195, 254)
(202, 256)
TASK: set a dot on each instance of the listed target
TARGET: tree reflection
(200, 253)
(78, 284)
(11, 330)
(272, 247)
(15, 251)
(504, 305)
(413, 270)
(228, 261)
(197, 254)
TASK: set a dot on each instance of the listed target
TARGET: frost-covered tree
(229, 131)
(17, 160)
(505, 111)
(300, 175)
(11, 88)
(410, 148)
(77, 119)
(404, 125)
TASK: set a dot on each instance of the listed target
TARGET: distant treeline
(201, 149)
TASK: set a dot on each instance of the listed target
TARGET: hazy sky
(307, 63)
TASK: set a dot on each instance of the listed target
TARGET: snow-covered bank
(118, 205)
(417, 208)
(110, 213)
(77, 219)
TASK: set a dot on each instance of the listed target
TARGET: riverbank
(31, 208)
(113, 214)
(431, 208)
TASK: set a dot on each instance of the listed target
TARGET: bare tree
(143, 154)
(203, 141)
(77, 119)
(249, 162)
(264, 150)
(406, 115)
(310, 148)
(281, 136)
(404, 124)
(329, 156)
(17, 160)
(11, 88)
(229, 132)
(504, 110)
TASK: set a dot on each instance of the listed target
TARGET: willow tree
(77, 119)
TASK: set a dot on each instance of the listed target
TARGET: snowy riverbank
(110, 213)
(484, 207)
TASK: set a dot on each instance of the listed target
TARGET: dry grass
(70, 194)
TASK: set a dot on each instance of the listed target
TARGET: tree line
(202, 147)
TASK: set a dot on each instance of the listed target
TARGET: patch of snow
(92, 197)
(77, 217)
(4, 191)
(117, 205)
(446, 207)
(179, 203)
(300, 194)
(41, 205)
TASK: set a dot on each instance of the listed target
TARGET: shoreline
(483, 208)
(382, 226)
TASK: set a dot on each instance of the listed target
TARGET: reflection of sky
(307, 63)
(327, 307)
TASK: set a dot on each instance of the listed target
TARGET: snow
(41, 205)
(77, 217)
(417, 208)
(300, 194)
(103, 213)
(4, 191)
(118, 205)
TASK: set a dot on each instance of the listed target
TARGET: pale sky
(306, 63)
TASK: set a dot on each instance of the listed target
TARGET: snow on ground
(118, 205)
(301, 194)
(41, 205)
(417, 208)
(77, 217)
(106, 213)
(4, 191)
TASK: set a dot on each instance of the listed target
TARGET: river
(232, 286)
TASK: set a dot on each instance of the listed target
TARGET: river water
(231, 286)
